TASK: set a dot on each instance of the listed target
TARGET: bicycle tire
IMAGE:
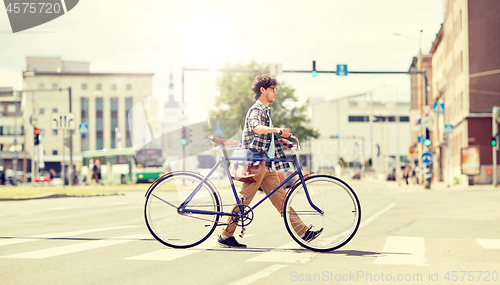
(176, 229)
(341, 217)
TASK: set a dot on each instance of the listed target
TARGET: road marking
(374, 216)
(169, 253)
(402, 250)
(72, 248)
(489, 243)
(280, 255)
(63, 208)
(15, 240)
(259, 275)
(9, 241)
(75, 233)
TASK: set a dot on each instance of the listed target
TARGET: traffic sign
(342, 70)
(218, 131)
(438, 108)
(83, 128)
(427, 158)
(63, 121)
(448, 129)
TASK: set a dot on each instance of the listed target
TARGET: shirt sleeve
(255, 118)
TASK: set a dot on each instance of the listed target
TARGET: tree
(236, 97)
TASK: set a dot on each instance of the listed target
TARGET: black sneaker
(231, 242)
(311, 235)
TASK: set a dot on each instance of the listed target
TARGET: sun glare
(205, 39)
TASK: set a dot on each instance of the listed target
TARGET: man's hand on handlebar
(284, 132)
(286, 144)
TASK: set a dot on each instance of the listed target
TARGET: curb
(55, 195)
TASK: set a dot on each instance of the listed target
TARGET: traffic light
(314, 72)
(183, 137)
(36, 135)
(427, 141)
(494, 141)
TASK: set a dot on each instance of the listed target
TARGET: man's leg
(246, 195)
(269, 182)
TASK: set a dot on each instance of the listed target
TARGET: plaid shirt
(258, 115)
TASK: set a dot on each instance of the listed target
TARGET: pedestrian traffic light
(36, 133)
(427, 141)
(494, 141)
(314, 72)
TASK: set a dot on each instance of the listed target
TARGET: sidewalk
(28, 192)
(435, 186)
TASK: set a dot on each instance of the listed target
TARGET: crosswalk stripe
(75, 233)
(169, 253)
(72, 248)
(489, 243)
(259, 275)
(402, 250)
(15, 240)
(280, 255)
(9, 241)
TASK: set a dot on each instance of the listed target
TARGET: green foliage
(236, 97)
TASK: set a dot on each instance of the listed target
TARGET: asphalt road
(408, 235)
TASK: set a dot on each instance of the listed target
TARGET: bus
(149, 165)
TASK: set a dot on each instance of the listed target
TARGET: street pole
(495, 133)
(70, 141)
(371, 129)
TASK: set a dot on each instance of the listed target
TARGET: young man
(259, 135)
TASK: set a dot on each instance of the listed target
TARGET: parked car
(43, 176)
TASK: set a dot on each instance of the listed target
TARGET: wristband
(280, 132)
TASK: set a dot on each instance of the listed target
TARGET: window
(358, 118)
(11, 108)
(114, 120)
(54, 110)
(54, 85)
(128, 117)
(129, 86)
(54, 132)
(84, 86)
(113, 86)
(98, 86)
(404, 119)
(84, 103)
(54, 152)
(99, 123)
(42, 111)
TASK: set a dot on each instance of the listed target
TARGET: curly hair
(262, 81)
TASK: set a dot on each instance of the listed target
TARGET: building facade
(13, 153)
(359, 131)
(100, 103)
(466, 79)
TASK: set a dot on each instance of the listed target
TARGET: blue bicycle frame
(182, 208)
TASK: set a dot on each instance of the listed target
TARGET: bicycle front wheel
(340, 217)
(181, 230)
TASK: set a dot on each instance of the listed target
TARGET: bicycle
(183, 208)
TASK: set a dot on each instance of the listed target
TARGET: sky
(164, 36)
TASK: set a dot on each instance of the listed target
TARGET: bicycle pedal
(242, 232)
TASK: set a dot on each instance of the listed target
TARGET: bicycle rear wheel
(181, 230)
(341, 212)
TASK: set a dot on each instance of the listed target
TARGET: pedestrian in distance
(259, 135)
(97, 171)
(90, 174)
